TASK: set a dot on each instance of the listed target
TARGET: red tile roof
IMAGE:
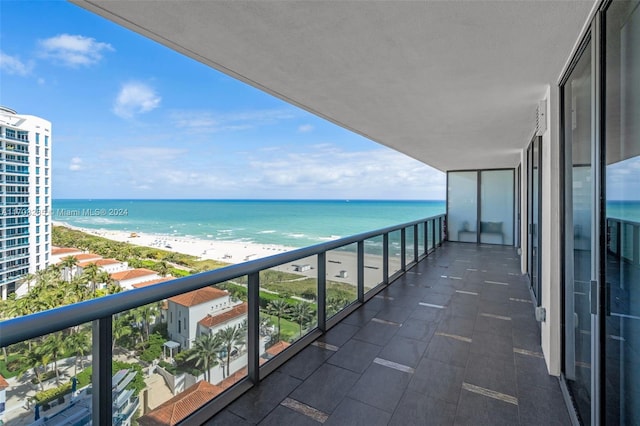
(99, 262)
(147, 283)
(235, 312)
(55, 251)
(278, 347)
(198, 297)
(86, 256)
(132, 273)
(176, 409)
(3, 383)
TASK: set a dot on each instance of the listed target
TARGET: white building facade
(25, 197)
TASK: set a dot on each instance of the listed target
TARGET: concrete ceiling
(453, 84)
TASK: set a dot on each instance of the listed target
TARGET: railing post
(253, 327)
(403, 247)
(102, 396)
(426, 237)
(433, 233)
(618, 239)
(322, 291)
(385, 258)
(416, 239)
(361, 271)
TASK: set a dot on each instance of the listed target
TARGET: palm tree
(279, 308)
(79, 344)
(302, 314)
(35, 359)
(53, 346)
(68, 263)
(205, 352)
(90, 273)
(162, 268)
(232, 337)
(121, 329)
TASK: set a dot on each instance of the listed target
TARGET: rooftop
(198, 297)
(220, 318)
(99, 262)
(132, 273)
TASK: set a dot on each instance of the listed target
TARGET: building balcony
(434, 332)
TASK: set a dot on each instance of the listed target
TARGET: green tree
(53, 346)
(232, 338)
(121, 329)
(68, 263)
(302, 314)
(34, 359)
(90, 275)
(205, 351)
(279, 308)
(79, 343)
(162, 268)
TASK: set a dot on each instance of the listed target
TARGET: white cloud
(13, 65)
(213, 122)
(73, 50)
(305, 128)
(76, 164)
(135, 98)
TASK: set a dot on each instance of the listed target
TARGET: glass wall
(533, 215)
(462, 206)
(578, 217)
(622, 177)
(496, 206)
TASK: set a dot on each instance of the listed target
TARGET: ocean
(293, 223)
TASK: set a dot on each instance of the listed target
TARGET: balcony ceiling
(452, 84)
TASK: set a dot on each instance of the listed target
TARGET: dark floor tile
(456, 325)
(492, 325)
(361, 316)
(227, 418)
(306, 362)
(492, 345)
(325, 388)
(461, 310)
(403, 350)
(394, 314)
(254, 405)
(377, 333)
(426, 313)
(283, 416)
(495, 308)
(436, 299)
(355, 413)
(532, 371)
(381, 387)
(448, 350)
(475, 409)
(417, 409)
(540, 406)
(437, 380)
(355, 355)
(492, 373)
(417, 329)
(339, 334)
(529, 340)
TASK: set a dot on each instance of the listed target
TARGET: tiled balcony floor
(452, 342)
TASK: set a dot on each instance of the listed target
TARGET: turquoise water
(295, 223)
(626, 210)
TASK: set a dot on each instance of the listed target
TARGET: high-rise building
(25, 197)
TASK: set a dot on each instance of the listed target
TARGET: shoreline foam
(223, 251)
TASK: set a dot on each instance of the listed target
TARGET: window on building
(37, 138)
(37, 150)
(46, 140)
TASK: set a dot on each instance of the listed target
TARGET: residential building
(187, 310)
(59, 253)
(126, 279)
(110, 266)
(25, 197)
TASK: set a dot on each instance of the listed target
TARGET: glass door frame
(536, 287)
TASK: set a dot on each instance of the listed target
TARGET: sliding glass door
(579, 204)
(621, 184)
(534, 178)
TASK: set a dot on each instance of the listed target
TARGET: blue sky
(133, 119)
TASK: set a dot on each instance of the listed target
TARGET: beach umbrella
(74, 385)
(37, 412)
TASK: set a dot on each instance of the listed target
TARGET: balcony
(451, 338)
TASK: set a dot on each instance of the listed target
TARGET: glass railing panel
(373, 262)
(194, 339)
(409, 248)
(627, 241)
(395, 253)
(342, 278)
(612, 244)
(430, 236)
(288, 304)
(46, 374)
(421, 240)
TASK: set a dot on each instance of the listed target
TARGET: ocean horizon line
(250, 199)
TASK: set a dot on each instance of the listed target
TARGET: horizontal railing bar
(27, 327)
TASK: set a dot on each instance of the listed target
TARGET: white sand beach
(224, 251)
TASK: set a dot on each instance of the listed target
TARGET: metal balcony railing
(401, 247)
